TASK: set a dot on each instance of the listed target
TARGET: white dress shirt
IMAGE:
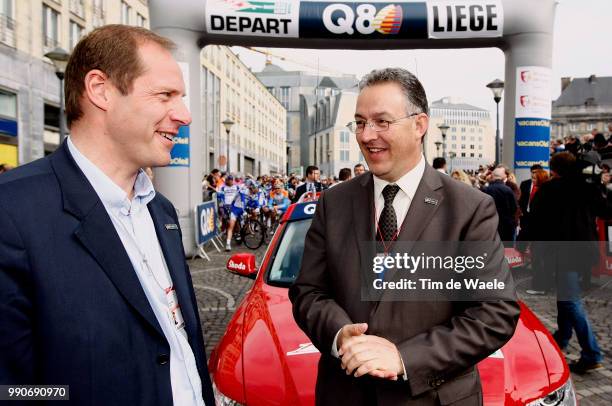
(136, 230)
(408, 185)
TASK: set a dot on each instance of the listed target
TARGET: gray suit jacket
(441, 341)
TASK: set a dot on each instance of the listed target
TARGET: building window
(285, 96)
(454, 137)
(8, 104)
(454, 146)
(462, 146)
(462, 129)
(463, 138)
(7, 23)
(344, 155)
(125, 13)
(76, 7)
(344, 137)
(479, 155)
(140, 20)
(76, 32)
(463, 155)
(472, 155)
(50, 29)
(98, 13)
(8, 113)
(472, 146)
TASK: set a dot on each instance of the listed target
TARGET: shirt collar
(408, 183)
(109, 192)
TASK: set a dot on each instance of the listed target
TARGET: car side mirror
(242, 264)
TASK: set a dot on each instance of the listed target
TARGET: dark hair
(410, 85)
(438, 163)
(535, 167)
(563, 164)
(214, 171)
(359, 165)
(113, 49)
(344, 174)
(310, 169)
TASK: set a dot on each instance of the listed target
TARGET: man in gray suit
(396, 352)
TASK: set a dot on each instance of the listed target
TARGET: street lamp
(443, 129)
(438, 145)
(59, 57)
(497, 87)
(227, 123)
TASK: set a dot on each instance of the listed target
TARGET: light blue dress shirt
(136, 230)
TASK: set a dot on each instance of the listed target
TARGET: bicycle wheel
(253, 234)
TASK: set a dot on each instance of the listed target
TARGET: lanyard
(379, 232)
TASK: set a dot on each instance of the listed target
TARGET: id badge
(175, 309)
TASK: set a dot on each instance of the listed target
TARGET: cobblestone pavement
(220, 292)
(594, 388)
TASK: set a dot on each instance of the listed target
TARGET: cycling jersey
(279, 198)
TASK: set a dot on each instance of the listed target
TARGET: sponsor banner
(179, 156)
(206, 222)
(363, 20)
(531, 142)
(533, 112)
(253, 18)
(465, 19)
(533, 92)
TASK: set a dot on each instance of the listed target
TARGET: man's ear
(98, 88)
(422, 124)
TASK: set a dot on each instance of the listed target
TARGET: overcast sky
(583, 32)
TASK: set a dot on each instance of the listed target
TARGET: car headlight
(222, 400)
(564, 396)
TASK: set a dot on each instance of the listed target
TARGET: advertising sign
(179, 156)
(465, 19)
(533, 113)
(254, 18)
(363, 20)
(206, 222)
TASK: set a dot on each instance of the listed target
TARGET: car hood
(280, 362)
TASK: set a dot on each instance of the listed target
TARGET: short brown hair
(113, 49)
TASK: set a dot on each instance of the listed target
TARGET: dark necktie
(387, 222)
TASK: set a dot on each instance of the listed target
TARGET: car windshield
(288, 258)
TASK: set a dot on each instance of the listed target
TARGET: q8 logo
(342, 19)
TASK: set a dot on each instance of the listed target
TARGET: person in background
(565, 209)
(439, 164)
(505, 203)
(278, 202)
(460, 175)
(359, 169)
(312, 183)
(539, 281)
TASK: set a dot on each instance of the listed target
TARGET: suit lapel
(427, 198)
(98, 235)
(364, 229)
(171, 245)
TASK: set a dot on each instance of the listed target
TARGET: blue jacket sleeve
(16, 335)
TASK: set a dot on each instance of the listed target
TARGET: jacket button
(163, 359)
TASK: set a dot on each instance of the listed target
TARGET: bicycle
(252, 231)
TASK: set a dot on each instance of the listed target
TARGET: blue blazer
(72, 311)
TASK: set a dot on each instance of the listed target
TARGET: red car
(264, 358)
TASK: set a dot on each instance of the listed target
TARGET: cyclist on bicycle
(247, 199)
(278, 201)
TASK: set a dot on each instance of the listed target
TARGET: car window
(288, 258)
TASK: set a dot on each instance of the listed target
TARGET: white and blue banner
(532, 119)
(206, 221)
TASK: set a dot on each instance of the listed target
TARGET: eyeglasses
(378, 125)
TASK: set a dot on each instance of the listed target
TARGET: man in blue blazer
(95, 292)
